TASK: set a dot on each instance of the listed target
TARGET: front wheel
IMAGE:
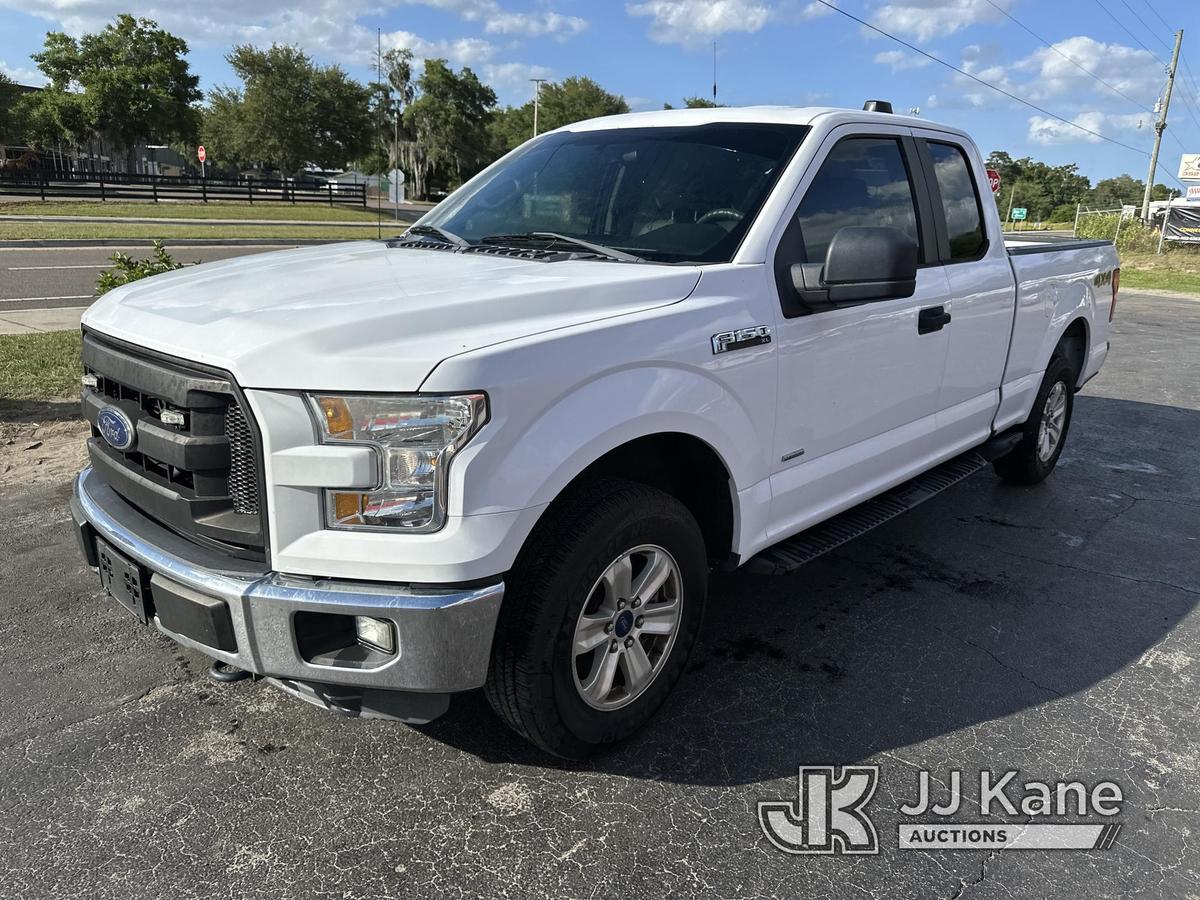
(1045, 431)
(600, 614)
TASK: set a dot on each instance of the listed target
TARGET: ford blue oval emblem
(116, 427)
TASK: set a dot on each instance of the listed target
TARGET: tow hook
(224, 673)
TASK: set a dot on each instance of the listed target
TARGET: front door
(858, 385)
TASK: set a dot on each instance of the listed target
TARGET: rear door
(859, 385)
(982, 298)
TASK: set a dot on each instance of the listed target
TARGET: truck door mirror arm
(863, 264)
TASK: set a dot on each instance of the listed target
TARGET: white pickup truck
(505, 449)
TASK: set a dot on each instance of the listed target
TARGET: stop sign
(992, 174)
(200, 153)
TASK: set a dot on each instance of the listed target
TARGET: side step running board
(790, 554)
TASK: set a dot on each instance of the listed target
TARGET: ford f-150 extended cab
(506, 448)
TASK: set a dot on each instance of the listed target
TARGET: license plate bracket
(124, 580)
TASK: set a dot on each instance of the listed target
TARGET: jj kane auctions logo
(829, 814)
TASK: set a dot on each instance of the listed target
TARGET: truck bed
(1048, 243)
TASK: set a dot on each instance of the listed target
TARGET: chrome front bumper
(444, 633)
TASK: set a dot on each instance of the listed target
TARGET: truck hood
(364, 316)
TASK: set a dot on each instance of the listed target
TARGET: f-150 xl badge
(741, 339)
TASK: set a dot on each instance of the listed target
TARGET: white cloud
(1045, 131)
(900, 60)
(512, 79)
(331, 30)
(497, 20)
(695, 22)
(1052, 74)
(928, 19)
(460, 51)
(1046, 77)
(23, 74)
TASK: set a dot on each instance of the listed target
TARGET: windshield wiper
(551, 237)
(446, 237)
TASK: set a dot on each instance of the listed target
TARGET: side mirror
(864, 263)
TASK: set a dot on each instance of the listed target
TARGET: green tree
(447, 126)
(274, 123)
(8, 108)
(134, 80)
(389, 98)
(341, 118)
(1039, 187)
(573, 100)
(697, 103)
(222, 126)
(52, 117)
(288, 112)
(1112, 193)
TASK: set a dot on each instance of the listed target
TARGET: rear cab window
(960, 201)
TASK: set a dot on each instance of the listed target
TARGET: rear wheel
(600, 614)
(1045, 431)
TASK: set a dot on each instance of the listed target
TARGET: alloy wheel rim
(627, 627)
(1054, 416)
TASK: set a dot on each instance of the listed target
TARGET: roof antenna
(714, 72)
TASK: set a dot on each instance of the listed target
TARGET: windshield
(679, 194)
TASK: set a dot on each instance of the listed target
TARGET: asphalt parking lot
(1052, 630)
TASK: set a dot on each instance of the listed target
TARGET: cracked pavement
(1052, 630)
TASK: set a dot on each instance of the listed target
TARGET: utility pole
(537, 95)
(1161, 125)
(714, 71)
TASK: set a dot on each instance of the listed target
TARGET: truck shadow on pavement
(984, 602)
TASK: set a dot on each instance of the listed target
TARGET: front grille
(195, 463)
(243, 466)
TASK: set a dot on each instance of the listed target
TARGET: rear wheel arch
(1074, 344)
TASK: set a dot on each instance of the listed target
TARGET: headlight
(416, 437)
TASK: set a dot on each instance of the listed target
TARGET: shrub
(1135, 234)
(126, 269)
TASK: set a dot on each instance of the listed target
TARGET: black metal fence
(121, 186)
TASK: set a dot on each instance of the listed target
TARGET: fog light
(376, 633)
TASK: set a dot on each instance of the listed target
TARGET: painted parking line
(34, 299)
(47, 268)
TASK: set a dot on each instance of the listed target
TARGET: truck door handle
(935, 318)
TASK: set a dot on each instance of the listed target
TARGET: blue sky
(795, 52)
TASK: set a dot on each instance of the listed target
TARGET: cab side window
(863, 181)
(960, 201)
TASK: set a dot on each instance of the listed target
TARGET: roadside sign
(1189, 167)
(200, 152)
(993, 180)
(1019, 213)
(395, 180)
(1193, 193)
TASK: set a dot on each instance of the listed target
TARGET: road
(1052, 630)
(48, 278)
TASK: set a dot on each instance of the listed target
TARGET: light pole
(537, 94)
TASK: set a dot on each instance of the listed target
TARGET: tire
(1033, 458)
(564, 584)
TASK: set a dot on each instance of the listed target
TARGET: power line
(1185, 91)
(1142, 22)
(979, 80)
(1150, 7)
(1128, 32)
(1071, 60)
